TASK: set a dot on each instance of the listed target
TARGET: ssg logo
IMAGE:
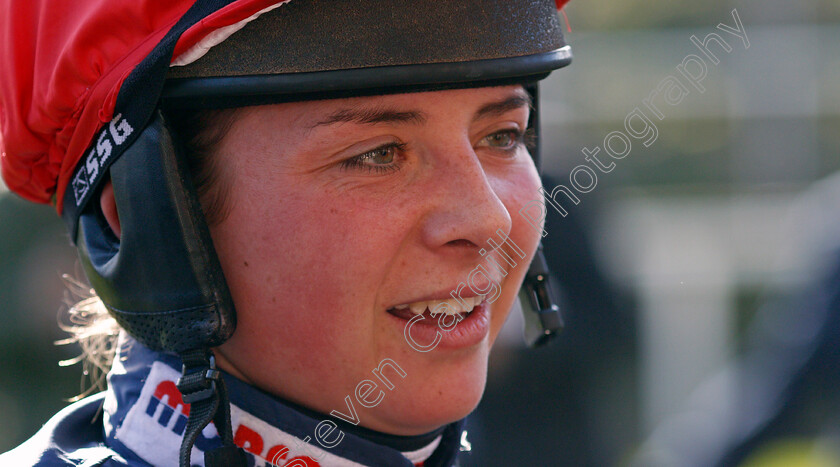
(113, 135)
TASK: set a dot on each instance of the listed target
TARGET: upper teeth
(449, 307)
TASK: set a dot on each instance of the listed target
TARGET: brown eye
(383, 155)
(500, 140)
(381, 160)
(504, 140)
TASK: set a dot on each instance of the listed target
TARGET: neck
(145, 405)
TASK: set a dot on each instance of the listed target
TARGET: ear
(109, 207)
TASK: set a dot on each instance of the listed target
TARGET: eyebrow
(386, 115)
(372, 116)
(495, 109)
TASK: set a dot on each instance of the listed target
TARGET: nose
(465, 210)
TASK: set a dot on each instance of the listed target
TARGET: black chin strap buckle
(202, 387)
(199, 382)
(542, 315)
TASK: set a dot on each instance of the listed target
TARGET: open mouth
(450, 324)
(431, 309)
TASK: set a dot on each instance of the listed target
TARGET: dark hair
(200, 133)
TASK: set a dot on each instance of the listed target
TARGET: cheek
(519, 191)
(304, 271)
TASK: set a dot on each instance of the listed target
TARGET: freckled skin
(314, 252)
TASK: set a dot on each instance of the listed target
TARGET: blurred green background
(728, 210)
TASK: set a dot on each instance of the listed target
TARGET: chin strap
(542, 316)
(203, 388)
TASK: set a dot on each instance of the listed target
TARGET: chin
(436, 392)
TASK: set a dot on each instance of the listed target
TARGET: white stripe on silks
(424, 453)
(217, 37)
(154, 426)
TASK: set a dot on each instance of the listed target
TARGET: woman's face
(343, 210)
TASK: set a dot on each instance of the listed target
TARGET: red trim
(67, 63)
(62, 60)
(98, 105)
(231, 14)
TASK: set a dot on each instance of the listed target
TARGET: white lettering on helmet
(80, 185)
(120, 131)
(92, 166)
(103, 148)
(88, 175)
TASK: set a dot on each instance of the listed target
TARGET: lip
(469, 332)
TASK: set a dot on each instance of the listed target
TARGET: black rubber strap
(543, 319)
(204, 389)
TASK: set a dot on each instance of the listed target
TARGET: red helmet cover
(64, 64)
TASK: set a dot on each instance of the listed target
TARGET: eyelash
(358, 162)
(519, 138)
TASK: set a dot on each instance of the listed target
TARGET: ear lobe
(109, 208)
